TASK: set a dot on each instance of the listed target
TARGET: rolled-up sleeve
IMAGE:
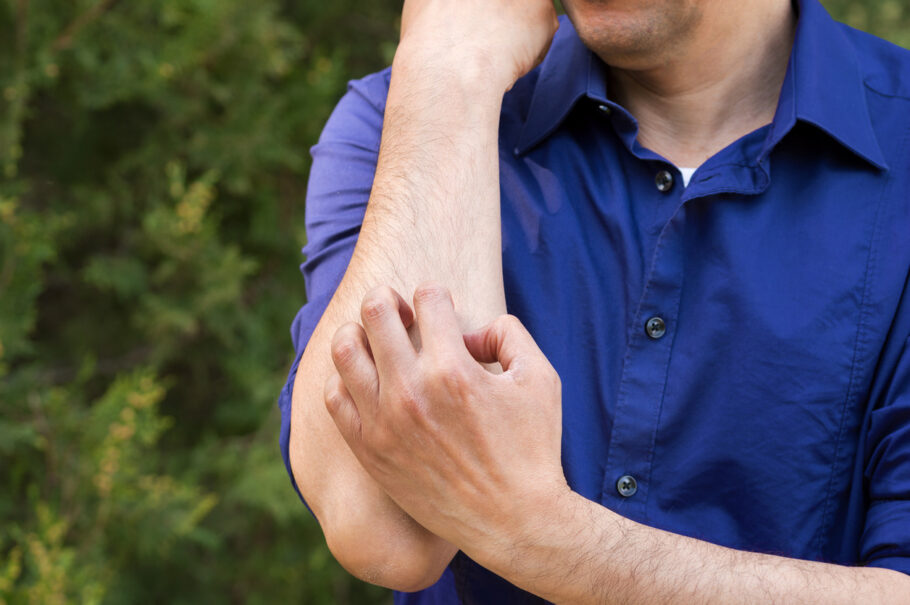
(344, 163)
(886, 536)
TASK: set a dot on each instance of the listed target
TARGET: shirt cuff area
(886, 540)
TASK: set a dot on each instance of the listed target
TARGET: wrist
(533, 526)
(547, 549)
(471, 71)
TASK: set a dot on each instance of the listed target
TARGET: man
(703, 391)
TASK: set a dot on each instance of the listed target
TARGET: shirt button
(664, 181)
(627, 486)
(605, 109)
(656, 328)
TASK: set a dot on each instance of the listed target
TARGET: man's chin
(634, 35)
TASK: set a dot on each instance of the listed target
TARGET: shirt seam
(663, 394)
(824, 533)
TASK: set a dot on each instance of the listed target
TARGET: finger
(354, 362)
(436, 319)
(504, 340)
(386, 317)
(343, 410)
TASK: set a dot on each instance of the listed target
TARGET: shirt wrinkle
(769, 409)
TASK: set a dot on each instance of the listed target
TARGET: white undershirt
(687, 174)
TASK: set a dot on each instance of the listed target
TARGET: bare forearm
(433, 214)
(583, 553)
(434, 209)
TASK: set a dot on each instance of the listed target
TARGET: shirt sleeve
(886, 536)
(341, 176)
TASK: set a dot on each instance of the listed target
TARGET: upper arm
(341, 177)
(365, 530)
(344, 162)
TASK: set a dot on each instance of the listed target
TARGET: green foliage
(889, 19)
(153, 162)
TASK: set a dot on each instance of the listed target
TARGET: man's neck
(718, 85)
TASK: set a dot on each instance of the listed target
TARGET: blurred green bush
(153, 162)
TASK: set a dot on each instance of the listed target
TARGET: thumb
(505, 340)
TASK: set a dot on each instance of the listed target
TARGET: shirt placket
(643, 381)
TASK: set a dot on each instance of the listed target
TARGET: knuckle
(334, 398)
(448, 374)
(504, 325)
(506, 322)
(453, 378)
(430, 291)
(344, 346)
(512, 321)
(407, 400)
(377, 303)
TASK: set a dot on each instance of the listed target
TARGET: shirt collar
(823, 86)
(569, 72)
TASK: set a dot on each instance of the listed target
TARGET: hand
(464, 451)
(504, 38)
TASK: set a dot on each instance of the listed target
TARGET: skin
(420, 430)
(692, 86)
(433, 213)
(448, 441)
(636, 34)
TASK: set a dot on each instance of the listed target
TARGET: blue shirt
(773, 412)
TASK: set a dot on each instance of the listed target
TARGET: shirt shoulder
(885, 66)
(885, 71)
(373, 88)
(357, 118)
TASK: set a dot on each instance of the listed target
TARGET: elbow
(405, 563)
